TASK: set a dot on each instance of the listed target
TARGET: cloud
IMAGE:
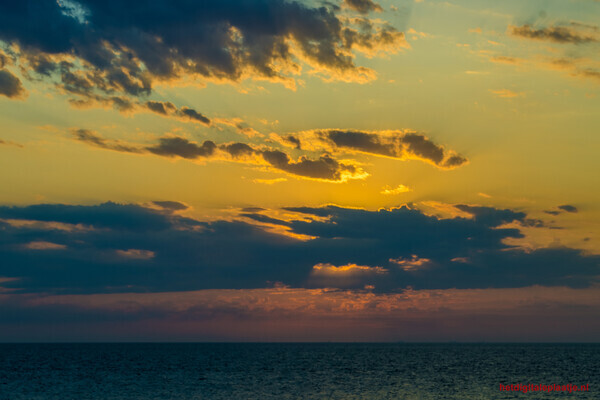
(588, 73)
(11, 86)
(128, 247)
(171, 205)
(181, 147)
(108, 215)
(42, 245)
(394, 144)
(552, 212)
(184, 113)
(557, 34)
(363, 6)
(507, 93)
(322, 168)
(269, 181)
(472, 315)
(568, 208)
(136, 254)
(92, 138)
(344, 276)
(109, 50)
(397, 190)
(563, 208)
(506, 60)
(10, 143)
(568, 62)
(414, 262)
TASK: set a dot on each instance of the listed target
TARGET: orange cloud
(43, 245)
(281, 313)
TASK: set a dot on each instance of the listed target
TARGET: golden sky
(347, 153)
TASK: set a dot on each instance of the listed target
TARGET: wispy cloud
(556, 34)
(397, 190)
(507, 93)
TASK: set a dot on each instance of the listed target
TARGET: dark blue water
(292, 371)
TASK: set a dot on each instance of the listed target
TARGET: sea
(186, 371)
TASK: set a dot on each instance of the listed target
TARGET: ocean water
(293, 371)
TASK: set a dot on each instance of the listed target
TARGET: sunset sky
(272, 170)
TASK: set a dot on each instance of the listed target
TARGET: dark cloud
(169, 109)
(557, 34)
(181, 147)
(293, 140)
(10, 85)
(92, 138)
(492, 216)
(193, 115)
(161, 107)
(111, 48)
(4, 59)
(171, 205)
(388, 249)
(238, 150)
(568, 208)
(563, 208)
(324, 167)
(363, 6)
(109, 215)
(395, 144)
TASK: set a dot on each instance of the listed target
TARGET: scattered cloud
(563, 208)
(93, 139)
(506, 60)
(43, 245)
(363, 6)
(506, 93)
(136, 254)
(397, 190)
(107, 57)
(10, 143)
(324, 167)
(413, 263)
(269, 181)
(556, 34)
(181, 147)
(171, 205)
(403, 145)
(568, 208)
(416, 34)
(11, 86)
(168, 109)
(344, 276)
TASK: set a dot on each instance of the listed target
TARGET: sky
(276, 170)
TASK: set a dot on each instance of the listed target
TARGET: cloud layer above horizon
(121, 248)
